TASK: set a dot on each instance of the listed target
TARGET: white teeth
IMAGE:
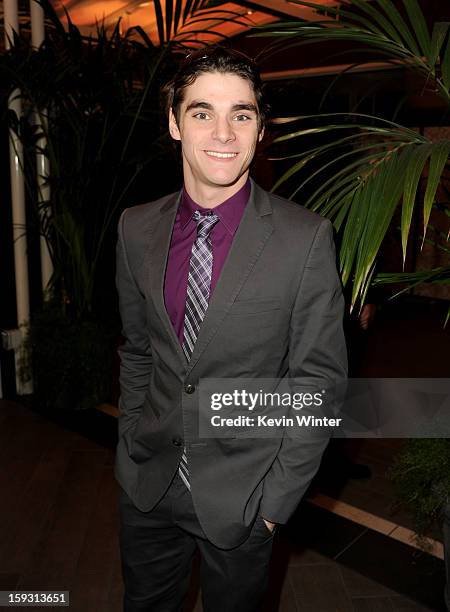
(224, 155)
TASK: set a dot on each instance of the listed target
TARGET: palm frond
(177, 26)
(419, 26)
(440, 31)
(439, 158)
(378, 26)
(364, 171)
(399, 24)
(436, 276)
(413, 174)
(93, 108)
(439, 275)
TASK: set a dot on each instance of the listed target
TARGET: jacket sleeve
(317, 360)
(135, 353)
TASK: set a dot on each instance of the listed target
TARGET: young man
(221, 280)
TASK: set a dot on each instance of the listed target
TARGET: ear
(173, 127)
(261, 135)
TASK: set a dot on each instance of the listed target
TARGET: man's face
(218, 130)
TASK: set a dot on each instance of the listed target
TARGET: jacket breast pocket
(253, 336)
(255, 306)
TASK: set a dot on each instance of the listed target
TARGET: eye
(202, 116)
(242, 117)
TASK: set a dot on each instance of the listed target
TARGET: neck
(211, 196)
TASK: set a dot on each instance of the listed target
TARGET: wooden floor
(59, 525)
(58, 517)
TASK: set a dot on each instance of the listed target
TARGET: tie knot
(205, 222)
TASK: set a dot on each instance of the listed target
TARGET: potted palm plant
(370, 169)
(91, 112)
(369, 166)
(97, 100)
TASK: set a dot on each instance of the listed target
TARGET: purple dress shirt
(183, 235)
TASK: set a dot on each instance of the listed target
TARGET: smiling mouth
(221, 155)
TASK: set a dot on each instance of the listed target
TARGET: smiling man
(218, 125)
(221, 280)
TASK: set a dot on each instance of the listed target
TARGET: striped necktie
(197, 297)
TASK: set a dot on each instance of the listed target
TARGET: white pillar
(37, 24)
(11, 17)
(42, 166)
(11, 21)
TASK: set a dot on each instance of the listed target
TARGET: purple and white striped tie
(198, 289)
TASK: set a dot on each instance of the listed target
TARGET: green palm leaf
(400, 25)
(412, 177)
(379, 197)
(388, 30)
(438, 161)
(169, 18)
(177, 15)
(419, 25)
(159, 21)
(440, 31)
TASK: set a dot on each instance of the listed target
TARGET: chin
(226, 181)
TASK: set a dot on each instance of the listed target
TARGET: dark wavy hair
(214, 59)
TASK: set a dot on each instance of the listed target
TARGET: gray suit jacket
(276, 311)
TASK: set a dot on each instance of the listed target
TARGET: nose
(223, 130)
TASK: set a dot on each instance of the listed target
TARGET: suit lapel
(252, 234)
(157, 262)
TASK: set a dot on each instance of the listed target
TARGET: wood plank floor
(59, 525)
(58, 516)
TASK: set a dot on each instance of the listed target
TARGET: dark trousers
(157, 549)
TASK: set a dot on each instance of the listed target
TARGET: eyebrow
(241, 106)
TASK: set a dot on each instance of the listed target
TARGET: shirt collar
(229, 212)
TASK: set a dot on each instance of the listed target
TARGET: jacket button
(177, 441)
(189, 389)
